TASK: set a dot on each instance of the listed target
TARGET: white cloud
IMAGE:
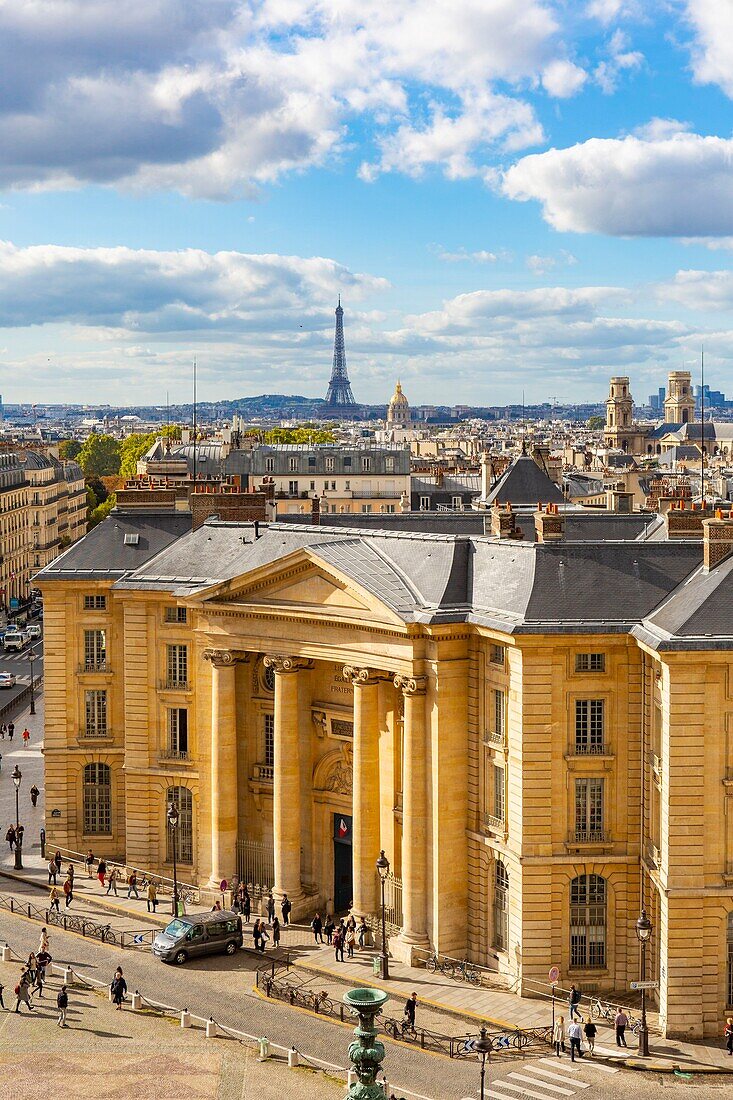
(705, 291)
(464, 256)
(712, 49)
(619, 59)
(563, 79)
(714, 244)
(659, 129)
(681, 186)
(540, 265)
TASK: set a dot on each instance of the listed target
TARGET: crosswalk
(537, 1081)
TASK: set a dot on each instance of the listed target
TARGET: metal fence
(256, 866)
(392, 909)
(82, 925)
(187, 891)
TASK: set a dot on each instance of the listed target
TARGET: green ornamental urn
(366, 1052)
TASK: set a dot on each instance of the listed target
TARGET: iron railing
(256, 866)
(187, 891)
(90, 928)
(175, 685)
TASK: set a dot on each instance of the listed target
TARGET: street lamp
(483, 1048)
(173, 824)
(31, 658)
(16, 776)
(383, 871)
(643, 934)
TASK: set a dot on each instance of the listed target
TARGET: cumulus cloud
(712, 47)
(462, 255)
(681, 186)
(619, 59)
(540, 265)
(706, 291)
(562, 78)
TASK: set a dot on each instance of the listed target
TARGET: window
(588, 921)
(178, 732)
(268, 677)
(729, 944)
(325, 486)
(366, 507)
(498, 655)
(501, 907)
(388, 508)
(177, 665)
(389, 464)
(95, 603)
(313, 486)
(498, 711)
(311, 462)
(366, 464)
(424, 504)
(95, 650)
(498, 792)
(347, 484)
(182, 799)
(268, 758)
(97, 799)
(589, 726)
(590, 662)
(347, 462)
(293, 465)
(175, 614)
(269, 465)
(293, 487)
(333, 484)
(95, 713)
(589, 809)
(457, 503)
(330, 465)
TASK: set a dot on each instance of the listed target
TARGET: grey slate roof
(104, 553)
(697, 615)
(523, 482)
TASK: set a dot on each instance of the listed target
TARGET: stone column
(224, 806)
(414, 821)
(286, 801)
(365, 829)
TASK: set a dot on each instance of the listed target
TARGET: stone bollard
(136, 1002)
(185, 1018)
(69, 977)
(293, 1058)
(6, 955)
(264, 1050)
(210, 1028)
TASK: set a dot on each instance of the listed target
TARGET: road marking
(533, 1081)
(499, 1095)
(556, 1062)
(611, 1053)
(558, 1077)
(602, 1067)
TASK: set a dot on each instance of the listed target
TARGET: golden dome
(398, 397)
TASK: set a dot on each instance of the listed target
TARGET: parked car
(199, 934)
(7, 680)
(15, 640)
(33, 630)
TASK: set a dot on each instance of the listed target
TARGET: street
(20, 666)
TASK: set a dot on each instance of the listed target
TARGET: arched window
(183, 800)
(97, 800)
(501, 907)
(588, 921)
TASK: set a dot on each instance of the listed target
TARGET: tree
(299, 435)
(99, 455)
(69, 449)
(595, 423)
(133, 448)
(101, 512)
(98, 489)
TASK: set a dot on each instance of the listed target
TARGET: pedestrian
(23, 992)
(362, 932)
(101, 872)
(132, 885)
(275, 932)
(256, 933)
(246, 905)
(11, 730)
(26, 735)
(285, 907)
(52, 872)
(728, 1032)
(34, 793)
(3, 728)
(38, 982)
(328, 928)
(215, 908)
(2, 1002)
(19, 832)
(1, 761)
(68, 892)
(32, 967)
(574, 1034)
(57, 860)
(410, 1010)
(10, 837)
(70, 872)
(43, 941)
(558, 1035)
(90, 863)
(264, 937)
(270, 907)
(621, 1023)
(152, 897)
(317, 926)
(43, 959)
(573, 1002)
(589, 1030)
(118, 988)
(54, 895)
(350, 942)
(62, 1003)
(338, 944)
(112, 880)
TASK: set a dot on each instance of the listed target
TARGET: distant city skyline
(514, 200)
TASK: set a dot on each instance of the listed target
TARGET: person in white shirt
(574, 1035)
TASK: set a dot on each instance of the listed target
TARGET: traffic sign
(554, 974)
(139, 938)
(644, 985)
(501, 1042)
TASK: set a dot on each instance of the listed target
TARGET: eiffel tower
(339, 388)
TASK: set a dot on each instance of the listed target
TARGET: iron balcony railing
(95, 666)
(492, 737)
(174, 754)
(590, 748)
(175, 685)
(590, 836)
(95, 734)
(494, 822)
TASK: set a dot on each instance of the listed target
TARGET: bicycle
(434, 964)
(463, 972)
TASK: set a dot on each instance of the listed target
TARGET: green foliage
(595, 423)
(98, 489)
(299, 435)
(133, 448)
(99, 455)
(101, 512)
(92, 501)
(69, 449)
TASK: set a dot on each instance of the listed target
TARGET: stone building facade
(538, 734)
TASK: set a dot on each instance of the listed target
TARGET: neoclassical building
(537, 730)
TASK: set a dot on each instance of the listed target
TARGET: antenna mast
(702, 423)
(194, 419)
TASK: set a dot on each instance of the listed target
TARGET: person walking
(621, 1022)
(43, 959)
(573, 1002)
(132, 885)
(328, 928)
(32, 967)
(256, 934)
(338, 944)
(2, 1002)
(264, 936)
(26, 735)
(52, 872)
(23, 992)
(558, 1035)
(101, 872)
(57, 860)
(43, 941)
(270, 907)
(275, 932)
(62, 1003)
(285, 908)
(409, 1012)
(34, 793)
(152, 897)
(728, 1033)
(89, 861)
(350, 941)
(118, 988)
(317, 926)
(246, 905)
(574, 1035)
(54, 895)
(590, 1030)
(112, 880)
(10, 837)
(11, 730)
(3, 729)
(68, 892)
(361, 933)
(19, 833)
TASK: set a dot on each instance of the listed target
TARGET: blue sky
(508, 197)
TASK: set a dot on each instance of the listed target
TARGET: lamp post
(383, 871)
(31, 658)
(484, 1047)
(173, 825)
(16, 776)
(643, 934)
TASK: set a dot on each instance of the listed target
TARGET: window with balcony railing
(589, 726)
(95, 713)
(95, 650)
(177, 666)
(589, 811)
(177, 734)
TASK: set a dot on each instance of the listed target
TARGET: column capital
(363, 677)
(411, 685)
(220, 658)
(280, 663)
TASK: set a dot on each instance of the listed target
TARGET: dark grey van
(199, 934)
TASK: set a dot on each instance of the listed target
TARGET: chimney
(685, 523)
(503, 523)
(549, 525)
(487, 475)
(316, 511)
(619, 499)
(717, 539)
(405, 502)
